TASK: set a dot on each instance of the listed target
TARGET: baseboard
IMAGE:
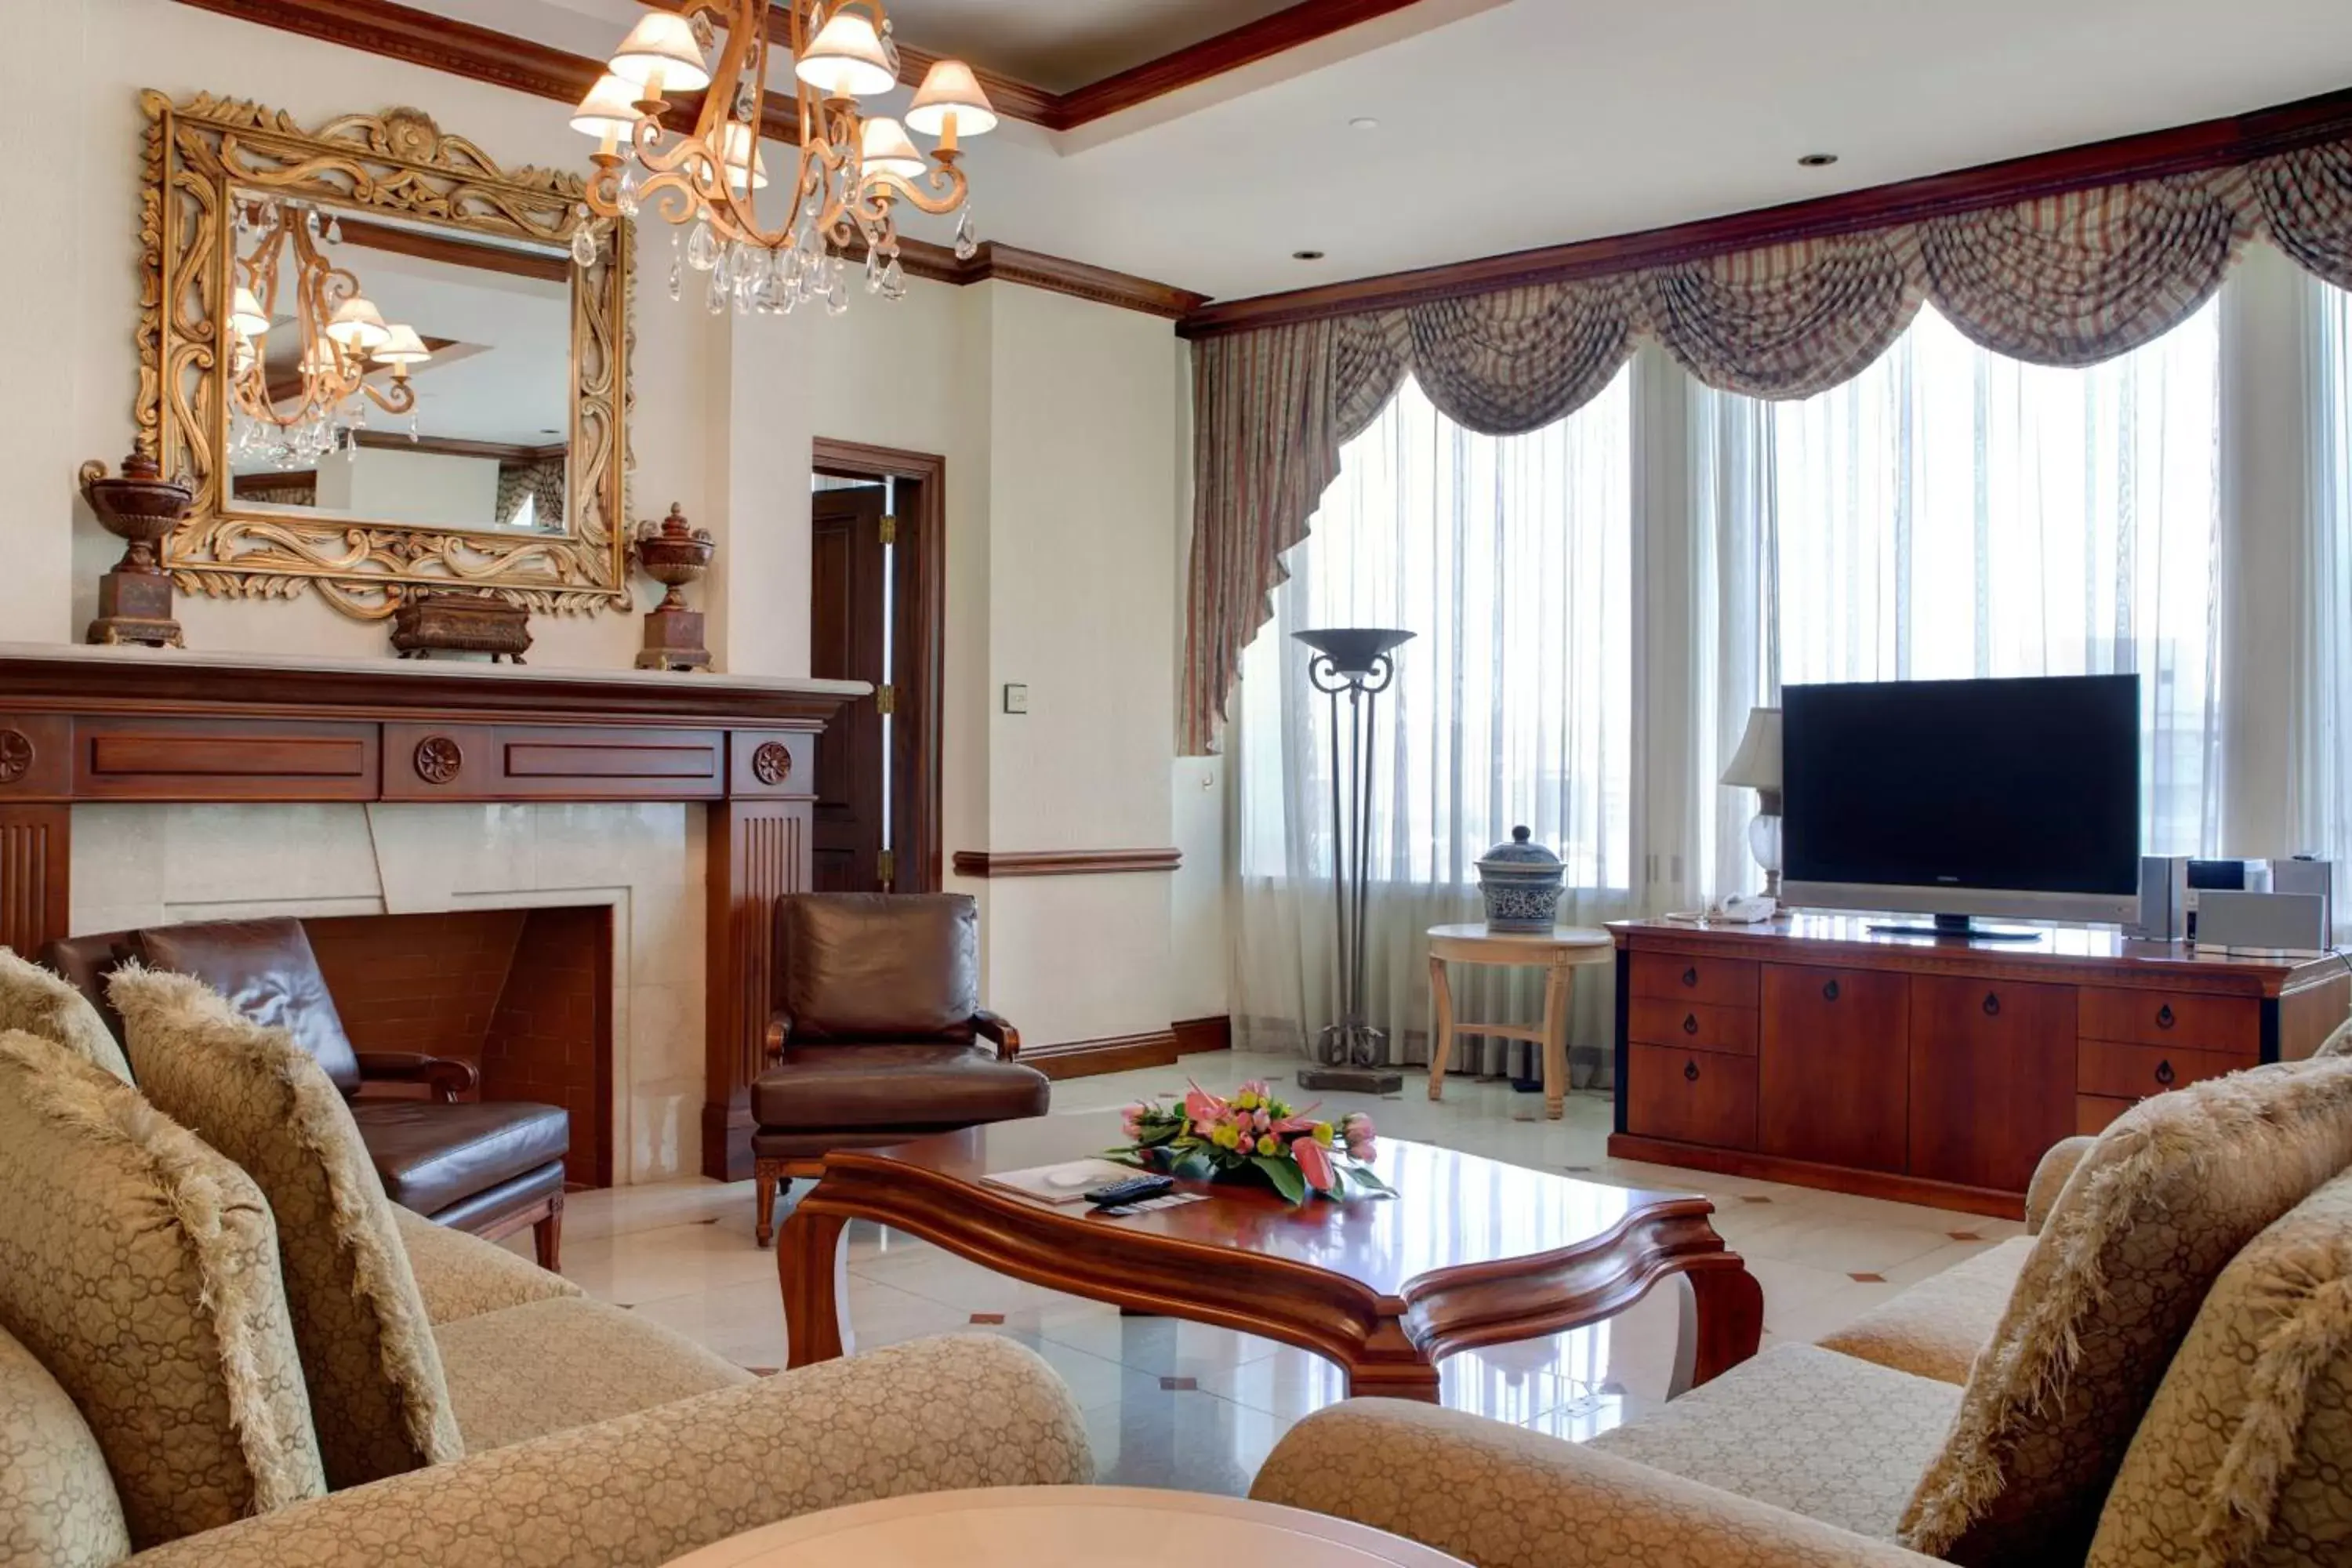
(1194, 1036)
(1117, 1053)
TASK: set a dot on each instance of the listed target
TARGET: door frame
(924, 576)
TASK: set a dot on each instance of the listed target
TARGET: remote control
(1132, 1191)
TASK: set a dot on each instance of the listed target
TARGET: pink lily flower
(1201, 1106)
(1314, 1165)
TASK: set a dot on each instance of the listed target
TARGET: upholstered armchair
(875, 1035)
(490, 1167)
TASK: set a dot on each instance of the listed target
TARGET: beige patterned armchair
(2158, 1374)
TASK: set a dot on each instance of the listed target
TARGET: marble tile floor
(1182, 1404)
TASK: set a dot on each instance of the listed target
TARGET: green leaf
(1284, 1174)
(1125, 1157)
(1152, 1136)
(1363, 1177)
(1191, 1166)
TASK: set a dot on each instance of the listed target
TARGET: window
(2323, 723)
(1950, 513)
(1509, 559)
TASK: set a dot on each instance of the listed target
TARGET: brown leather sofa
(490, 1167)
(875, 1037)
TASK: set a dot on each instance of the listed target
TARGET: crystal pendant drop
(836, 291)
(677, 268)
(625, 193)
(966, 241)
(872, 270)
(584, 244)
(715, 298)
(702, 247)
(894, 280)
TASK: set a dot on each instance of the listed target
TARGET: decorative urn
(142, 508)
(674, 554)
(1520, 882)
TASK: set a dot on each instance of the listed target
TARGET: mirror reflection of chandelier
(342, 341)
(851, 171)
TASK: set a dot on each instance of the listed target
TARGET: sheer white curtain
(1510, 558)
(1950, 513)
(2322, 767)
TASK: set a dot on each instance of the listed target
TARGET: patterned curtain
(543, 481)
(2072, 280)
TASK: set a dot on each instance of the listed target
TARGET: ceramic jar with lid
(1521, 883)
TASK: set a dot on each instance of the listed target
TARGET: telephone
(1747, 908)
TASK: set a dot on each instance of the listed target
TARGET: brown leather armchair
(490, 1167)
(875, 1035)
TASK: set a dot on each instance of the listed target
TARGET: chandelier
(344, 341)
(852, 168)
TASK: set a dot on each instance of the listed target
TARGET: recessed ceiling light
(1305, 256)
(1817, 160)
(1363, 122)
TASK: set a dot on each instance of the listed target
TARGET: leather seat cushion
(430, 1155)
(824, 1088)
(267, 971)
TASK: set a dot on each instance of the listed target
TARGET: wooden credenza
(1935, 1071)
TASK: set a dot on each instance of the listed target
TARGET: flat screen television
(1964, 797)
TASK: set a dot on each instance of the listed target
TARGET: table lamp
(1757, 765)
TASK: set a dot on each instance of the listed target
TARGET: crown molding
(1063, 862)
(401, 32)
(2186, 149)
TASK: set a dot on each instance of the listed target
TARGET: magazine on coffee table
(1067, 1183)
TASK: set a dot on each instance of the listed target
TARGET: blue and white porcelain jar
(1520, 882)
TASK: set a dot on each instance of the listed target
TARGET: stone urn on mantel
(142, 508)
(674, 554)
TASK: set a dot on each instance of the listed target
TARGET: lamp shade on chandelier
(346, 355)
(852, 172)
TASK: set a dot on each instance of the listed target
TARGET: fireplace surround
(139, 786)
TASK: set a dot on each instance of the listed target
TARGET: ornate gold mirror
(381, 362)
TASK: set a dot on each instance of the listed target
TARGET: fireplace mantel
(131, 725)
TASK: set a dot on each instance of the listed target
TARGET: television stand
(1959, 926)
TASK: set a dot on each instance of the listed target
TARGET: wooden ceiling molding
(2186, 149)
(548, 266)
(481, 54)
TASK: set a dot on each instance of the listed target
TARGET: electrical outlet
(1016, 698)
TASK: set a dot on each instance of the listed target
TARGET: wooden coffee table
(1471, 1252)
(1039, 1527)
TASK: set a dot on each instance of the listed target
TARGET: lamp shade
(738, 147)
(358, 325)
(846, 60)
(402, 346)
(609, 109)
(662, 44)
(244, 313)
(1352, 650)
(884, 148)
(1757, 763)
(949, 87)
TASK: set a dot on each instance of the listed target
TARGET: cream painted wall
(1058, 421)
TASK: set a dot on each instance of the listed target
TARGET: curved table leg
(1559, 980)
(1390, 1367)
(1441, 1046)
(1725, 1319)
(814, 1269)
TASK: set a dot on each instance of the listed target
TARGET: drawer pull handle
(2164, 1016)
(1690, 1022)
(1991, 1006)
(1690, 1072)
(1690, 977)
(2164, 1074)
(1830, 990)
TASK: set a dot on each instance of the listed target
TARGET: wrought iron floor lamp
(1354, 663)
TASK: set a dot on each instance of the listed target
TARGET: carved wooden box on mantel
(460, 623)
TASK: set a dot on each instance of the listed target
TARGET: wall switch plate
(1016, 698)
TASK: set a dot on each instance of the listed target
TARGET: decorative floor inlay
(1175, 1403)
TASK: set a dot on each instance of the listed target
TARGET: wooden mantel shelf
(140, 725)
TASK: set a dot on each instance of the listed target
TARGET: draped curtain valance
(2067, 280)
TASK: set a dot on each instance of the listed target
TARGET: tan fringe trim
(2311, 1299)
(201, 1188)
(2032, 1359)
(381, 1276)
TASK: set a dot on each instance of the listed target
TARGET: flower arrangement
(1252, 1135)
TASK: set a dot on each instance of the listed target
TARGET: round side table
(1060, 1527)
(1559, 952)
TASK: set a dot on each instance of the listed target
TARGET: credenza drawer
(2134, 1072)
(1695, 1025)
(1691, 1096)
(2184, 1020)
(1672, 976)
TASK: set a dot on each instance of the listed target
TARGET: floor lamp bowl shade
(1757, 765)
(1354, 650)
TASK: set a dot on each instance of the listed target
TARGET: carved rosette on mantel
(142, 508)
(674, 554)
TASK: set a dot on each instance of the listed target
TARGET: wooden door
(847, 611)
(1834, 1066)
(1992, 1077)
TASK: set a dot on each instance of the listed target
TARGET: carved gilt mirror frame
(399, 164)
